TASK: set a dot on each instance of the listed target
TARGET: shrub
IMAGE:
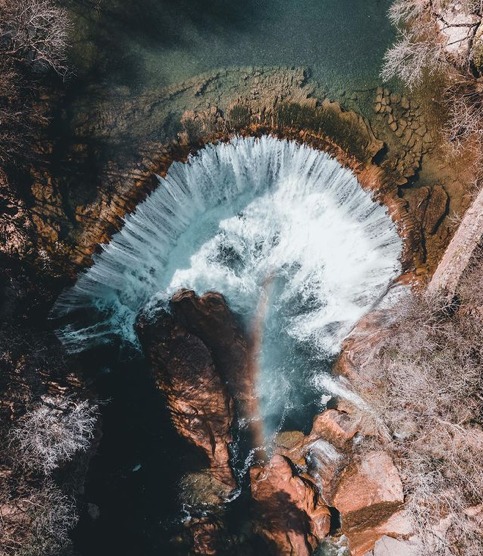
(35, 32)
(33, 40)
(53, 432)
(36, 522)
(411, 58)
(465, 107)
(404, 11)
(425, 384)
(419, 53)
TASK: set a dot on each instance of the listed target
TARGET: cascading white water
(249, 218)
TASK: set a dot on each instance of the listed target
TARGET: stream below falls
(291, 240)
(297, 248)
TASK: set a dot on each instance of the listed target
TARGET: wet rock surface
(117, 145)
(294, 493)
(210, 319)
(369, 492)
(288, 512)
(200, 407)
(193, 352)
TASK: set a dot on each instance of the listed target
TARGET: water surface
(254, 219)
(153, 43)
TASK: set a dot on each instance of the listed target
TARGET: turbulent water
(268, 223)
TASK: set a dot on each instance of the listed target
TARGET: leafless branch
(53, 432)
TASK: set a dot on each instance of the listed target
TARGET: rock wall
(115, 147)
(297, 494)
(194, 385)
(460, 250)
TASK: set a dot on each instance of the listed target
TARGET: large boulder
(205, 535)
(458, 27)
(210, 319)
(336, 427)
(389, 546)
(200, 408)
(289, 514)
(368, 495)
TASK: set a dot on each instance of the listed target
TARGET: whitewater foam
(234, 218)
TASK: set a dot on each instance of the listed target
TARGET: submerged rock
(205, 535)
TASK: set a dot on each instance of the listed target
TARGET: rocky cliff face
(308, 487)
(288, 512)
(53, 223)
(193, 384)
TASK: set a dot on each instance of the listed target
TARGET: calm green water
(146, 43)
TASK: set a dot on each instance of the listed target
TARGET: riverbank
(99, 160)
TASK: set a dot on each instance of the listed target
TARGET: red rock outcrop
(289, 514)
(368, 494)
(201, 409)
(365, 489)
(334, 426)
(210, 319)
(205, 535)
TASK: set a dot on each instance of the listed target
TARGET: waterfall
(249, 218)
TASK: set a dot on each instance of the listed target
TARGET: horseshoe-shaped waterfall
(252, 219)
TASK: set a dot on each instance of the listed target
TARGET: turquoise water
(144, 44)
(233, 219)
(152, 43)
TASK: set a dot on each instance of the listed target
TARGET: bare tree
(33, 38)
(36, 522)
(19, 118)
(404, 11)
(410, 59)
(421, 51)
(36, 31)
(464, 99)
(53, 432)
(425, 385)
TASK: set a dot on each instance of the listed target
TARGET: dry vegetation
(52, 432)
(426, 387)
(33, 43)
(420, 53)
(35, 32)
(36, 522)
(424, 381)
(35, 514)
